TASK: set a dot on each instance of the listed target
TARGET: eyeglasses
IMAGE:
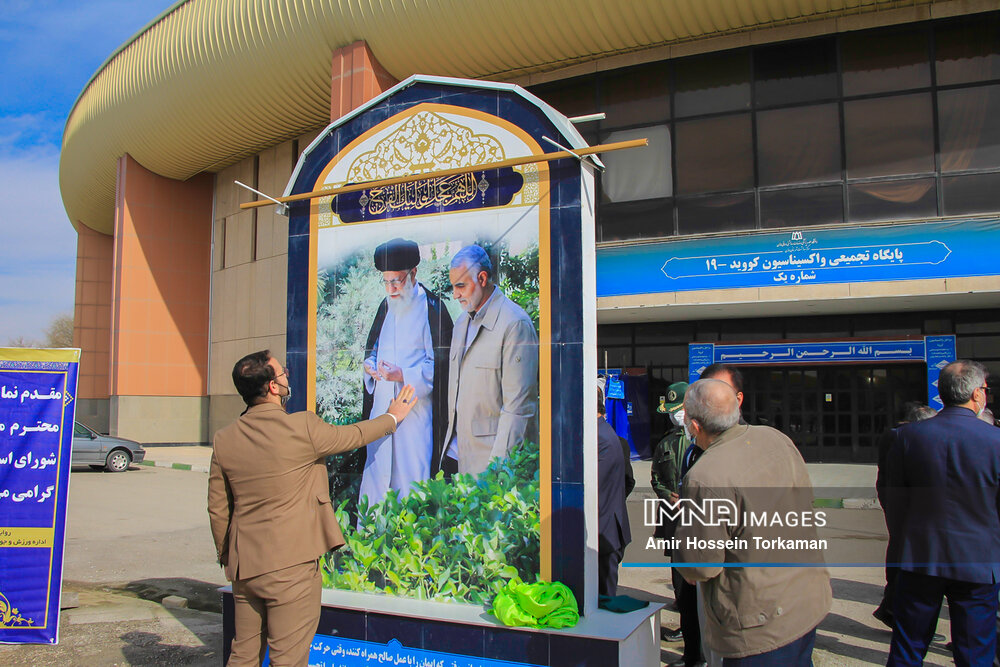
(395, 282)
(284, 371)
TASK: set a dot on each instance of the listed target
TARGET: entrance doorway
(832, 413)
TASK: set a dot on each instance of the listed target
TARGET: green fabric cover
(540, 605)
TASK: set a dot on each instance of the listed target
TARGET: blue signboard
(940, 353)
(329, 651)
(936, 351)
(822, 256)
(37, 389)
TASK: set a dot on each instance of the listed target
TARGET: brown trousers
(279, 609)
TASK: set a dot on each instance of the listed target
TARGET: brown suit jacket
(268, 493)
(750, 610)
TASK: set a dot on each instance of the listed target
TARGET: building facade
(809, 140)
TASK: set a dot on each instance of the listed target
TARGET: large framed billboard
(477, 288)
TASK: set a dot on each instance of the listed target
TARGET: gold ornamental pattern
(425, 142)
(10, 616)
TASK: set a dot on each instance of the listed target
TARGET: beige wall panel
(228, 195)
(899, 288)
(161, 419)
(263, 282)
(215, 320)
(218, 243)
(973, 284)
(243, 291)
(94, 412)
(278, 304)
(839, 291)
(219, 381)
(239, 238)
(279, 235)
(223, 410)
(717, 296)
(230, 295)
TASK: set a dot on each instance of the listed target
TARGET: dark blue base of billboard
(356, 635)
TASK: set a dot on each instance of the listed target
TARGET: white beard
(407, 295)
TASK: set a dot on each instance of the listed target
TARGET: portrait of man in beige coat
(492, 369)
(270, 509)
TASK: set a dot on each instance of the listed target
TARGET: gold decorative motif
(425, 142)
(10, 617)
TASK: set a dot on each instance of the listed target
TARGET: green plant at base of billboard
(458, 540)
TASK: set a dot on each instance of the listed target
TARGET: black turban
(397, 255)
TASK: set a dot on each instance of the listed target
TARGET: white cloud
(37, 245)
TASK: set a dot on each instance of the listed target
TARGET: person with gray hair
(492, 369)
(943, 479)
(754, 615)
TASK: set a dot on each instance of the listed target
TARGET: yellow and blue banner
(37, 407)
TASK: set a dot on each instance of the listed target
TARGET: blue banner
(940, 353)
(37, 406)
(936, 351)
(821, 256)
(329, 651)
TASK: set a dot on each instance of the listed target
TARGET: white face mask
(678, 417)
(688, 432)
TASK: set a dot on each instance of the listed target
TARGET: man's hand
(390, 372)
(370, 369)
(674, 497)
(403, 403)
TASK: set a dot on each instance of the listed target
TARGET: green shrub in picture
(456, 540)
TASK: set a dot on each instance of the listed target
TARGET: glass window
(714, 154)
(614, 334)
(892, 200)
(798, 145)
(889, 135)
(802, 206)
(712, 83)
(638, 173)
(576, 97)
(968, 49)
(637, 96)
(969, 120)
(795, 72)
(719, 213)
(884, 61)
(646, 218)
(661, 355)
(660, 333)
(975, 193)
(614, 357)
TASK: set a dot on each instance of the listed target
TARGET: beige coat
(751, 610)
(492, 384)
(268, 492)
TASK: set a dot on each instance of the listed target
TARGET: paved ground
(133, 538)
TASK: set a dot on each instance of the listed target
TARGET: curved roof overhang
(210, 82)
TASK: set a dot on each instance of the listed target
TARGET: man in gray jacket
(755, 487)
(492, 369)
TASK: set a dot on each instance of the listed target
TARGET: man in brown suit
(754, 615)
(270, 510)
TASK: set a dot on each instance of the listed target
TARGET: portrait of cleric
(458, 320)
(407, 344)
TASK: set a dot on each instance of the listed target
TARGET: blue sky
(48, 52)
